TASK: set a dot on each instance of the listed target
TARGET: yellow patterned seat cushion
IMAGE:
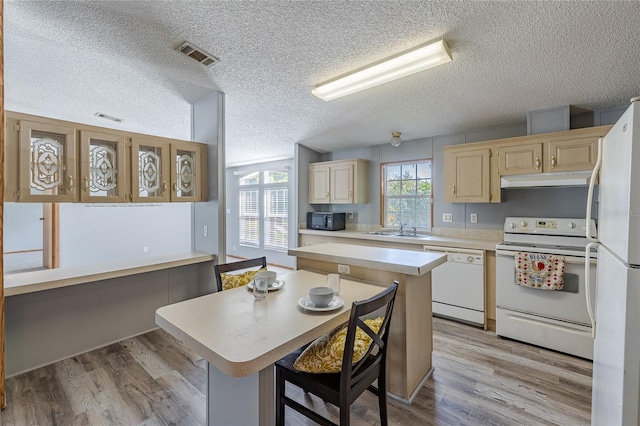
(324, 355)
(230, 281)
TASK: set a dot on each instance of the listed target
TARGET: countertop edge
(30, 282)
(433, 240)
(391, 264)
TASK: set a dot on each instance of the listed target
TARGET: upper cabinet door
(571, 155)
(520, 159)
(151, 171)
(467, 176)
(187, 174)
(103, 170)
(342, 184)
(319, 181)
(47, 163)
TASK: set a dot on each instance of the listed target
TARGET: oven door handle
(567, 259)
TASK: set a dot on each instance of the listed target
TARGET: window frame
(383, 181)
(262, 187)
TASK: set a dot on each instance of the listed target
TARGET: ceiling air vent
(109, 117)
(196, 53)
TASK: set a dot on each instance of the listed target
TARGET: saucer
(305, 303)
(277, 285)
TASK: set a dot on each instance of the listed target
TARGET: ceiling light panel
(398, 66)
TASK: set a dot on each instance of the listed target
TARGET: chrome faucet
(402, 225)
(415, 231)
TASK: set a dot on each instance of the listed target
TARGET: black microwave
(326, 221)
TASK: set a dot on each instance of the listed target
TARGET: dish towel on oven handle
(542, 271)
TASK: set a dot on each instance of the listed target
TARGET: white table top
(408, 262)
(240, 336)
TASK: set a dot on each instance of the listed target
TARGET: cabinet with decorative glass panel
(56, 161)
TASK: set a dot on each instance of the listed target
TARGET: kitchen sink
(396, 234)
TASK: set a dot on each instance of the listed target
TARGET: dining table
(242, 337)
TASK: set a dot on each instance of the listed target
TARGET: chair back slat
(236, 266)
(351, 373)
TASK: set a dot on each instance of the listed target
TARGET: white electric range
(554, 319)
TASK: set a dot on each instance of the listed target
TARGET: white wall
(94, 233)
(22, 226)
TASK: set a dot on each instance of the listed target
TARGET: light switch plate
(474, 217)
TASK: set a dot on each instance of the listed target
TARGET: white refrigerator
(616, 358)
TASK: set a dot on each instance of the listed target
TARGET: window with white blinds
(264, 210)
(249, 217)
(276, 218)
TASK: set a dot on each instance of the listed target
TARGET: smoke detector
(196, 53)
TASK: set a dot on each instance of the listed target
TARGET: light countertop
(29, 282)
(408, 262)
(241, 336)
(466, 243)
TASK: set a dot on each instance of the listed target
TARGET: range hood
(546, 180)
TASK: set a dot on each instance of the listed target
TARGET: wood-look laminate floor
(479, 379)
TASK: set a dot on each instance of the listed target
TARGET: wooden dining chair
(343, 388)
(236, 266)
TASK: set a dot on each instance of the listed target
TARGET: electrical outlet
(145, 249)
(206, 231)
(447, 217)
(350, 215)
(344, 269)
(474, 217)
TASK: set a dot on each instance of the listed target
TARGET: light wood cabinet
(571, 154)
(103, 168)
(319, 181)
(472, 177)
(338, 182)
(569, 151)
(56, 161)
(467, 175)
(188, 171)
(520, 159)
(47, 165)
(151, 172)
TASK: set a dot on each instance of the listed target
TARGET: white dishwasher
(458, 285)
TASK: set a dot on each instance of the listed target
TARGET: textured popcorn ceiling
(71, 59)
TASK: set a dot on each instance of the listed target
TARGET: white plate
(305, 303)
(277, 285)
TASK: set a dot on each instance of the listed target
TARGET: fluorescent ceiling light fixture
(418, 59)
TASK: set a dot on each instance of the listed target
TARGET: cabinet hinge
(490, 153)
(18, 194)
(127, 143)
(490, 197)
(17, 127)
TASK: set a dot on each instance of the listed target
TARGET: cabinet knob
(537, 163)
(85, 184)
(175, 186)
(164, 185)
(553, 161)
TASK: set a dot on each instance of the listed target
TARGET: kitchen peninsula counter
(409, 362)
(58, 313)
